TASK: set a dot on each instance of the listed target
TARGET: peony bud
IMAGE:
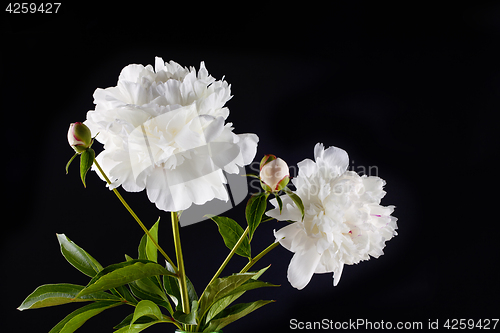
(79, 137)
(274, 174)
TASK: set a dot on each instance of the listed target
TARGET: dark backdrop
(411, 89)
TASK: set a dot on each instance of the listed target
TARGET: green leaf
(141, 323)
(62, 293)
(69, 162)
(172, 289)
(278, 199)
(266, 218)
(232, 314)
(120, 274)
(124, 293)
(135, 328)
(231, 232)
(221, 304)
(295, 199)
(86, 161)
(77, 257)
(147, 308)
(148, 289)
(220, 288)
(192, 295)
(189, 318)
(171, 286)
(77, 318)
(151, 250)
(255, 208)
(126, 322)
(142, 248)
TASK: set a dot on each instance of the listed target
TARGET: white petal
(287, 234)
(302, 267)
(319, 150)
(248, 147)
(334, 156)
(337, 273)
(159, 64)
(132, 73)
(306, 168)
(214, 129)
(289, 212)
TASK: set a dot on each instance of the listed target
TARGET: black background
(412, 89)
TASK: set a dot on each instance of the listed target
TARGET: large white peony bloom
(344, 222)
(164, 130)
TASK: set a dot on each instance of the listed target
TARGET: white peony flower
(344, 222)
(164, 130)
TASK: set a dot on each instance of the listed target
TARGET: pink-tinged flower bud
(79, 137)
(274, 173)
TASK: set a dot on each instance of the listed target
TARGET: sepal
(295, 199)
(86, 161)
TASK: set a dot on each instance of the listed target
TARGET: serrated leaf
(232, 314)
(86, 161)
(78, 257)
(295, 199)
(231, 232)
(77, 318)
(255, 208)
(62, 293)
(123, 273)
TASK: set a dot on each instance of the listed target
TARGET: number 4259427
(31, 7)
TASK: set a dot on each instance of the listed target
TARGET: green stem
(181, 274)
(146, 231)
(257, 258)
(230, 255)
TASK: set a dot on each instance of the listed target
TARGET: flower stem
(257, 258)
(230, 255)
(181, 274)
(146, 231)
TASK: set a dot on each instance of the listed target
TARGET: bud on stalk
(274, 173)
(79, 137)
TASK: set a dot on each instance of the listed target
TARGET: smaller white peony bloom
(344, 222)
(164, 130)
